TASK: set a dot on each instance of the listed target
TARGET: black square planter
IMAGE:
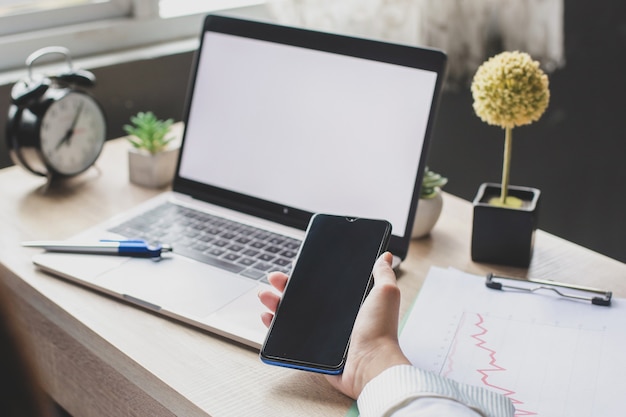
(503, 235)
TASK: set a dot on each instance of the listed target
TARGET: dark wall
(158, 85)
(575, 154)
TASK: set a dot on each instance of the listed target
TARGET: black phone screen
(330, 279)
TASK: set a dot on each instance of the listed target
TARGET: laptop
(280, 123)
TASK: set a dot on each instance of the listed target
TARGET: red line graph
(528, 361)
(548, 357)
(494, 367)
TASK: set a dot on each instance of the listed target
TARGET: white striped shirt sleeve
(404, 390)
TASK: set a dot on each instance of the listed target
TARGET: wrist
(377, 361)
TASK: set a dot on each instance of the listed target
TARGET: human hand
(374, 343)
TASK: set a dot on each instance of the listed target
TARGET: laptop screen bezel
(409, 56)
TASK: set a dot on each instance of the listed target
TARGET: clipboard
(602, 297)
(543, 351)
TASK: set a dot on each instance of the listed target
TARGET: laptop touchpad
(177, 285)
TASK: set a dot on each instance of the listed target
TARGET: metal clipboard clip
(602, 299)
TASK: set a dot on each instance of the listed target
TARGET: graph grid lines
(524, 359)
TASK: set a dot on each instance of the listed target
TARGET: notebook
(280, 123)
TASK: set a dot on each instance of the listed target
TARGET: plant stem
(506, 165)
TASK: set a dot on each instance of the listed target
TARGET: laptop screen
(308, 129)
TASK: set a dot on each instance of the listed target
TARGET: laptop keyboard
(242, 249)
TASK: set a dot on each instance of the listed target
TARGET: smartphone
(330, 279)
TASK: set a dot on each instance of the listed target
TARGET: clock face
(72, 133)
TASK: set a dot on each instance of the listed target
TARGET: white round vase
(152, 170)
(428, 211)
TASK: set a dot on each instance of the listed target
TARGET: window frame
(49, 18)
(140, 26)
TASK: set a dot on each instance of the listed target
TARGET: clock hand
(70, 132)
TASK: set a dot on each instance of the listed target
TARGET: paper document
(551, 356)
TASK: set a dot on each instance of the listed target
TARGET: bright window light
(173, 8)
(15, 7)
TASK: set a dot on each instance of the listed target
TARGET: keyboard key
(235, 247)
(231, 257)
(246, 261)
(276, 240)
(243, 240)
(273, 249)
(216, 251)
(285, 271)
(254, 274)
(262, 266)
(251, 252)
(258, 245)
(247, 231)
(288, 254)
(293, 245)
(266, 257)
(262, 235)
(282, 262)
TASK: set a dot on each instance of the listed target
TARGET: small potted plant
(430, 203)
(153, 156)
(509, 90)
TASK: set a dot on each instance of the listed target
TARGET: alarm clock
(55, 128)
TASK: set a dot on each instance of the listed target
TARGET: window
(172, 8)
(19, 16)
(90, 27)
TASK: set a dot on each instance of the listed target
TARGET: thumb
(383, 273)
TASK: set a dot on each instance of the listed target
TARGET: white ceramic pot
(428, 211)
(152, 171)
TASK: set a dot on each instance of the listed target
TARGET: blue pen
(133, 247)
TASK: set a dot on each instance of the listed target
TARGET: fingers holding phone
(270, 299)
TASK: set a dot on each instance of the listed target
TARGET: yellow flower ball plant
(509, 90)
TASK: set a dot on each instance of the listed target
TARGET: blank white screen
(307, 129)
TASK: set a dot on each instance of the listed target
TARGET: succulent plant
(431, 183)
(148, 132)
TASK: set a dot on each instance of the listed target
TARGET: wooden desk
(101, 357)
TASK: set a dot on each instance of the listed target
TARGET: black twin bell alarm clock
(55, 128)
